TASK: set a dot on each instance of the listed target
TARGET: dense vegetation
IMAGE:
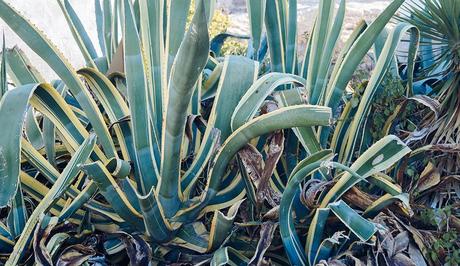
(164, 151)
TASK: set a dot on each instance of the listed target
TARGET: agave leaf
(315, 234)
(227, 196)
(107, 28)
(237, 75)
(43, 47)
(280, 119)
(319, 45)
(57, 190)
(386, 184)
(306, 135)
(79, 33)
(228, 256)
(3, 77)
(48, 101)
(151, 33)
(17, 216)
(295, 116)
(51, 174)
(290, 238)
(145, 137)
(22, 72)
(385, 201)
(156, 224)
(358, 50)
(325, 58)
(255, 96)
(113, 194)
(19, 68)
(188, 64)
(383, 64)
(100, 26)
(221, 226)
(275, 35)
(361, 227)
(208, 148)
(49, 130)
(117, 110)
(378, 157)
(256, 11)
(176, 19)
(291, 36)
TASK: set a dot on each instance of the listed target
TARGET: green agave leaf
(100, 26)
(325, 60)
(306, 135)
(287, 117)
(358, 50)
(3, 78)
(291, 36)
(32, 130)
(176, 19)
(319, 43)
(253, 99)
(107, 28)
(237, 75)
(113, 194)
(306, 57)
(195, 236)
(377, 158)
(361, 227)
(35, 159)
(44, 48)
(144, 136)
(6, 245)
(117, 110)
(22, 72)
(152, 35)
(315, 234)
(291, 241)
(383, 64)
(48, 101)
(17, 216)
(228, 196)
(49, 130)
(156, 224)
(221, 225)
(188, 64)
(290, 238)
(385, 201)
(256, 11)
(208, 149)
(19, 68)
(275, 35)
(57, 190)
(386, 183)
(79, 33)
(228, 256)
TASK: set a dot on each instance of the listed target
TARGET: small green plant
(445, 247)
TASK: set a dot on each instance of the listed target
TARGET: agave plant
(155, 144)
